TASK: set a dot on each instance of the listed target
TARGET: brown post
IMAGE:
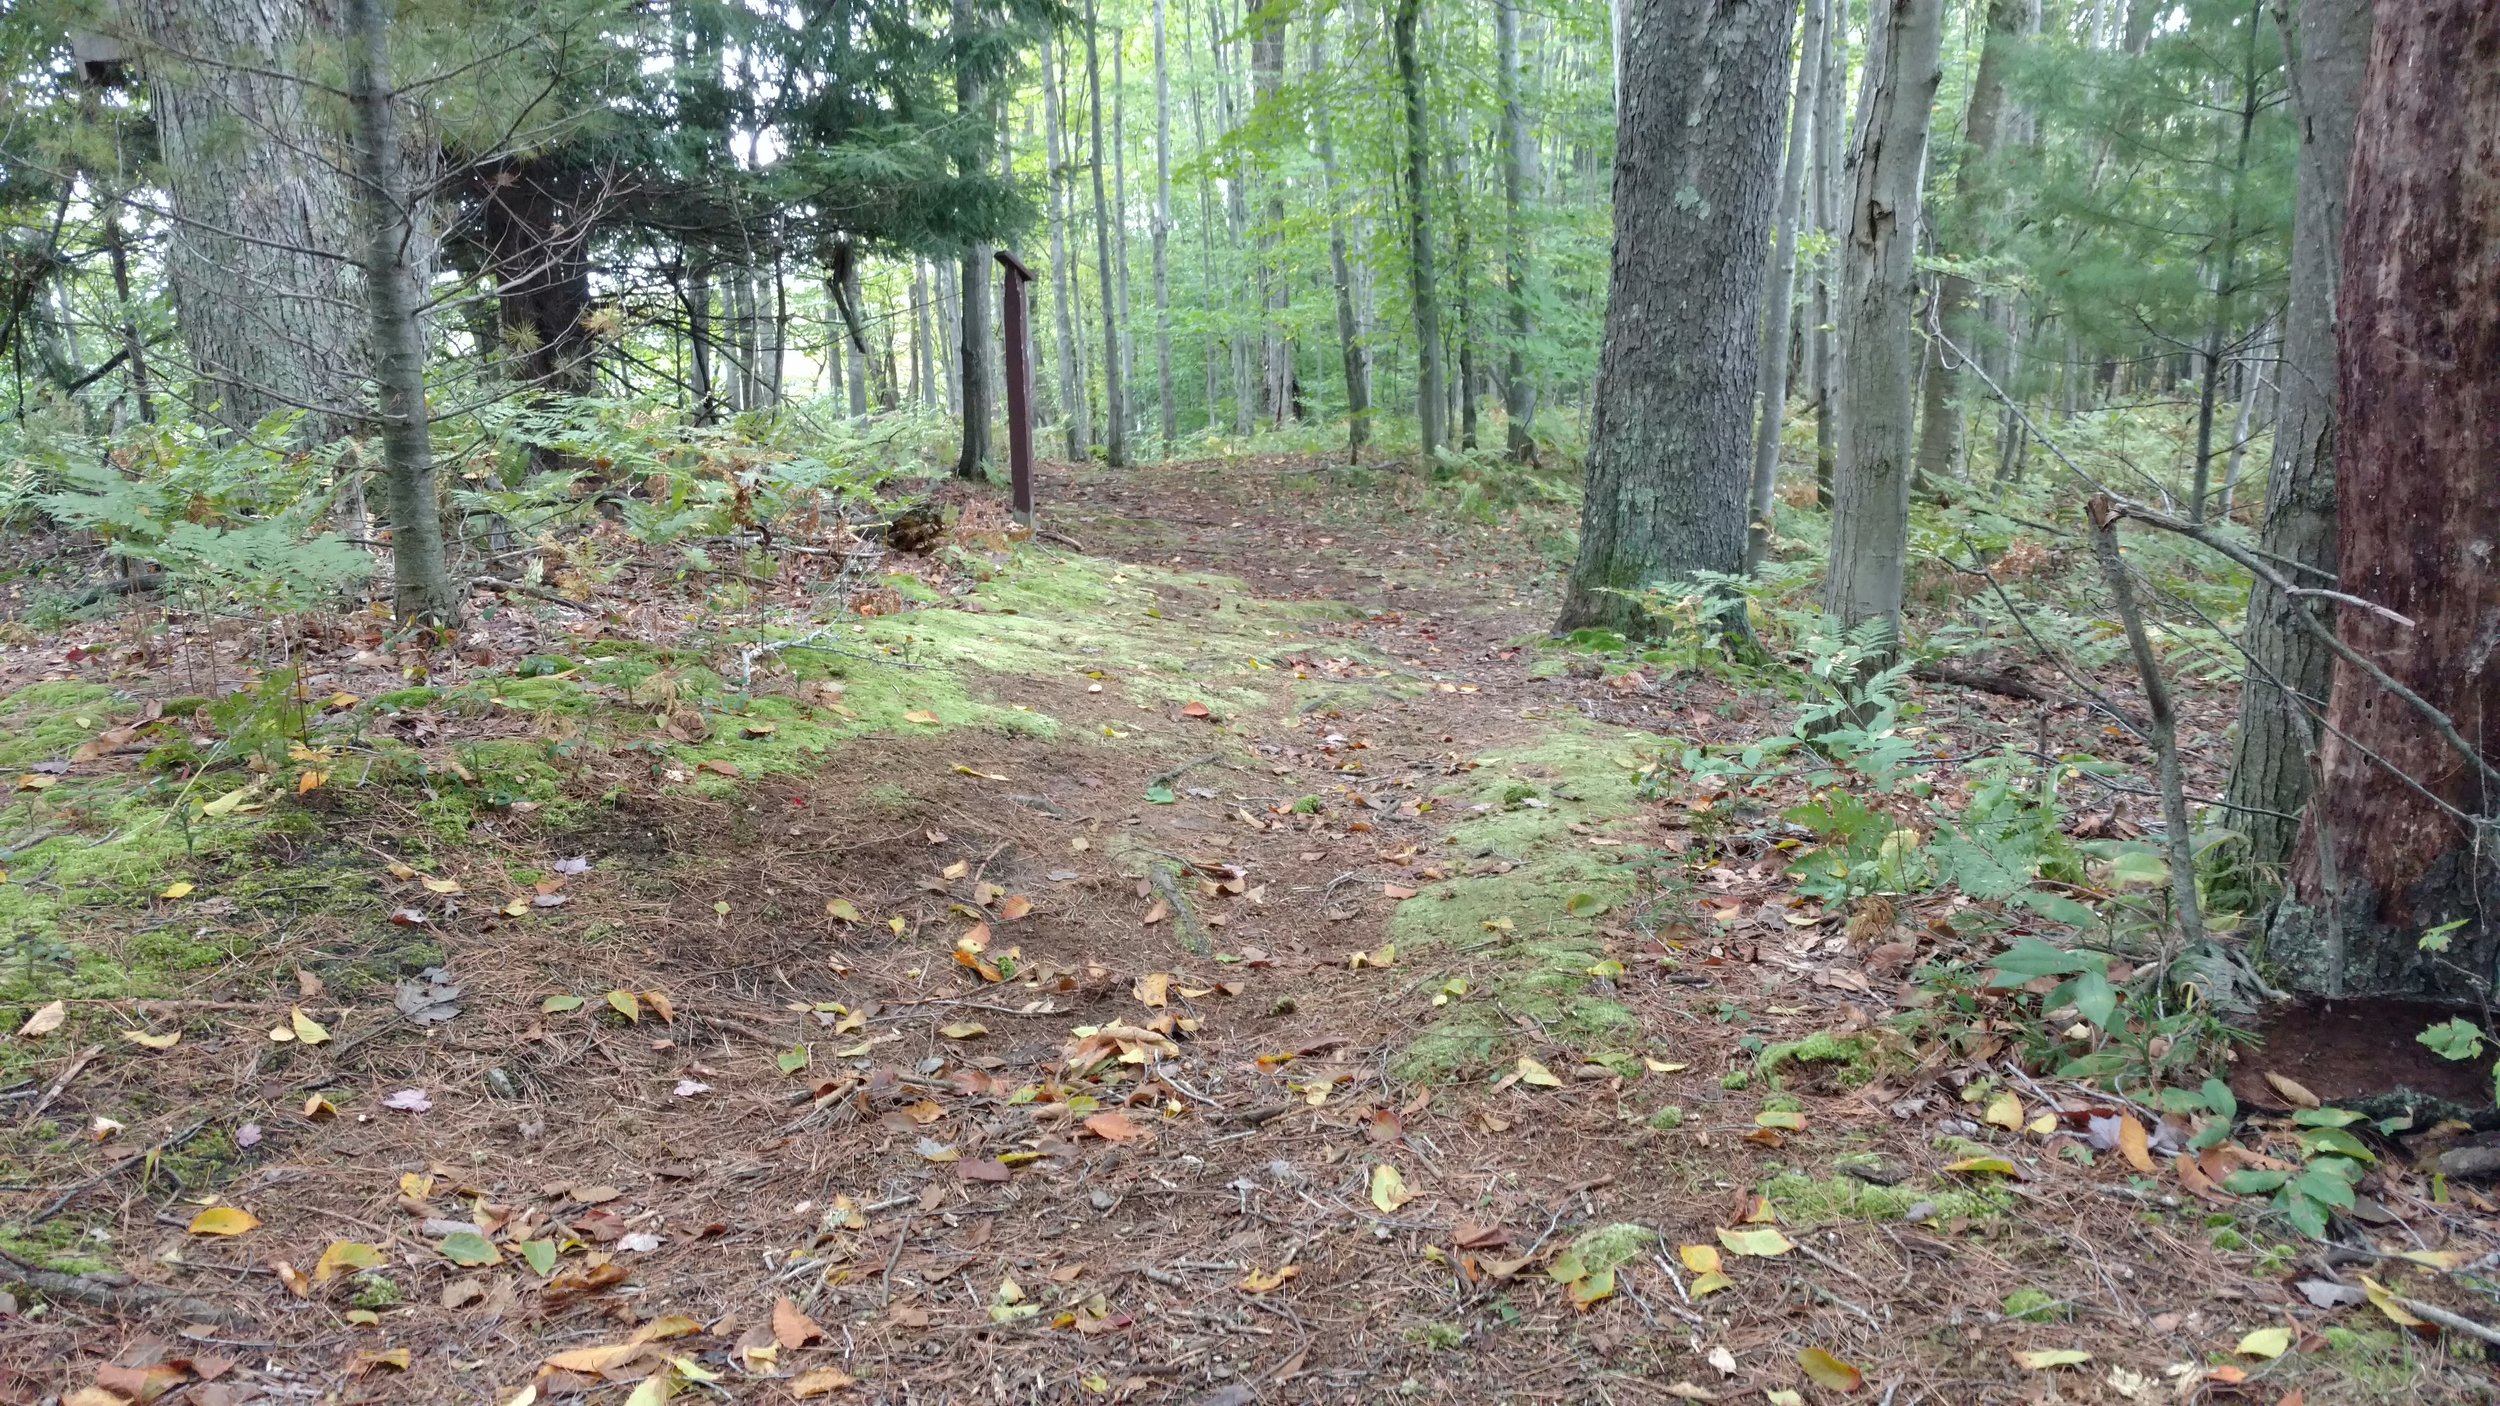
(1017, 334)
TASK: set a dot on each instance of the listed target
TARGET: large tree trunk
(1429, 408)
(1350, 349)
(264, 240)
(2398, 839)
(1518, 158)
(1237, 224)
(1696, 177)
(1782, 297)
(1962, 234)
(1871, 491)
(2288, 667)
(1114, 396)
(972, 345)
(423, 592)
(1162, 244)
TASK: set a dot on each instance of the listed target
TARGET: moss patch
(1806, 1203)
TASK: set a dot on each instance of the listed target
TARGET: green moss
(1668, 1119)
(2036, 1306)
(47, 721)
(887, 796)
(2374, 1358)
(56, 1245)
(1612, 1246)
(1847, 1060)
(376, 1291)
(1806, 1203)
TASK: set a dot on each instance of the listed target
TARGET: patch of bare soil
(990, 1068)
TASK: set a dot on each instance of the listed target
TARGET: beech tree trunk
(1825, 349)
(264, 241)
(1429, 406)
(1518, 157)
(1162, 244)
(1275, 285)
(2288, 668)
(1072, 405)
(423, 591)
(1114, 398)
(1351, 351)
(2398, 839)
(1782, 298)
(1962, 234)
(1879, 367)
(1696, 177)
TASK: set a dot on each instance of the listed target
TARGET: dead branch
(2163, 732)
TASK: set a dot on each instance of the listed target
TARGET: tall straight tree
(1962, 232)
(1518, 157)
(2398, 836)
(1163, 243)
(1879, 368)
(1824, 346)
(1782, 298)
(1114, 399)
(263, 213)
(1072, 404)
(422, 588)
(1696, 177)
(2289, 669)
(1351, 352)
(1430, 409)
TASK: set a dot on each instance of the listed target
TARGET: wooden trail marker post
(1016, 331)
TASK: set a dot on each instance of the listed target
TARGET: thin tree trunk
(950, 384)
(2289, 669)
(1826, 353)
(1119, 231)
(2226, 277)
(1275, 286)
(1781, 299)
(855, 366)
(1428, 389)
(1518, 155)
(1237, 222)
(1350, 349)
(1962, 233)
(1206, 225)
(1456, 174)
(1162, 244)
(2404, 804)
(423, 592)
(1696, 179)
(972, 346)
(1115, 401)
(1871, 497)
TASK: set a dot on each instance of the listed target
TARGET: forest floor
(1241, 959)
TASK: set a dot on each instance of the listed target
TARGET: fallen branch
(524, 588)
(1985, 681)
(2453, 1322)
(114, 1291)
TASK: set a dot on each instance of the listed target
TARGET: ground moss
(1805, 1202)
(57, 1245)
(47, 721)
(1848, 1060)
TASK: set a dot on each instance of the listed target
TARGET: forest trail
(1318, 1009)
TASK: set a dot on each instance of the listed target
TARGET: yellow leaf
(1707, 1284)
(1787, 1119)
(2133, 1144)
(652, 1390)
(1259, 1281)
(1700, 1259)
(226, 804)
(179, 888)
(841, 910)
(2005, 1111)
(1975, 1166)
(964, 1030)
(824, 1381)
(2046, 1358)
(347, 1257)
(962, 770)
(416, 1186)
(1830, 1371)
(44, 1021)
(310, 781)
(1533, 1073)
(223, 1220)
(2386, 1303)
(1389, 1188)
(306, 1028)
(151, 1041)
(2265, 1342)
(442, 886)
(2441, 1260)
(921, 716)
(624, 1004)
(1763, 1243)
(1661, 1066)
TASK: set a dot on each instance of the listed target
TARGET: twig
(2164, 729)
(77, 1062)
(524, 588)
(2455, 1323)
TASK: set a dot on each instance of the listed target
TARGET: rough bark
(1961, 234)
(1696, 177)
(423, 592)
(1114, 398)
(263, 245)
(1275, 285)
(1871, 488)
(1781, 299)
(1429, 408)
(972, 346)
(2288, 668)
(1827, 218)
(2418, 384)
(1518, 157)
(1351, 352)
(1163, 242)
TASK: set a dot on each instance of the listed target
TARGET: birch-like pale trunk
(1781, 299)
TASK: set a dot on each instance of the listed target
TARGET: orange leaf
(791, 1328)
(1194, 709)
(2132, 1143)
(1114, 1127)
(1013, 907)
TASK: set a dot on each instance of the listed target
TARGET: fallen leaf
(44, 1021)
(1762, 1244)
(791, 1328)
(2134, 1145)
(842, 910)
(964, 1030)
(1700, 1259)
(305, 1028)
(2265, 1342)
(1114, 1127)
(408, 1101)
(2005, 1111)
(2386, 1303)
(625, 1003)
(1704, 1285)
(922, 716)
(180, 888)
(469, 1249)
(396, 1359)
(224, 1220)
(1153, 989)
(1537, 1075)
(347, 1257)
(823, 1381)
(1259, 1281)
(561, 1005)
(1014, 907)
(149, 1040)
(1827, 1370)
(1786, 1119)
(2293, 1091)
(1389, 1188)
(2046, 1358)
(1984, 1166)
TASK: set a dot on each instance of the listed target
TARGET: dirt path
(1281, 1022)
